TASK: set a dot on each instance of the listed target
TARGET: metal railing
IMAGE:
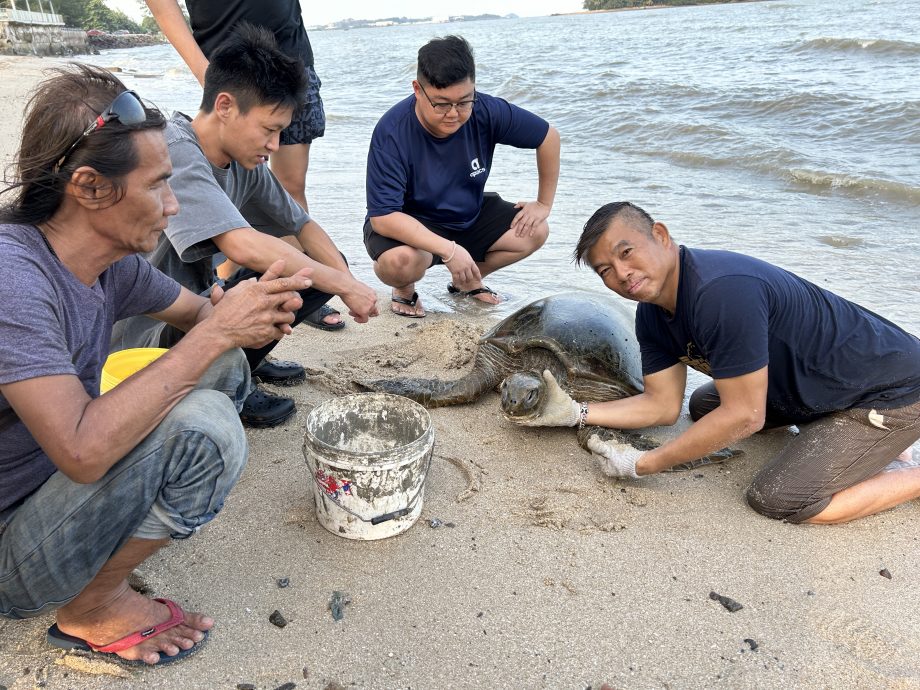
(26, 17)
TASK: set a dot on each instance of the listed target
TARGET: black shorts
(494, 221)
(309, 122)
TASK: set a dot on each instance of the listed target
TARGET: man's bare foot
(406, 302)
(130, 612)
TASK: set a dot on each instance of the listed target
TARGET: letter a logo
(474, 164)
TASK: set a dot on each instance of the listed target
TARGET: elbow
(669, 417)
(81, 467)
(752, 423)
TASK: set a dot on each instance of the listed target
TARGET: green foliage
(95, 14)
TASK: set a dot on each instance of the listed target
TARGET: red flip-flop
(60, 639)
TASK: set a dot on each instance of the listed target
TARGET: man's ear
(225, 105)
(661, 234)
(91, 189)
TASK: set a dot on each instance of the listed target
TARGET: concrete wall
(29, 39)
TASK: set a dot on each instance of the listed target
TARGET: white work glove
(558, 410)
(615, 459)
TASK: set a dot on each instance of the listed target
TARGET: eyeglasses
(126, 109)
(444, 108)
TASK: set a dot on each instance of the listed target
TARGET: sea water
(785, 130)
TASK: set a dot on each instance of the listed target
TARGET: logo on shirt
(476, 168)
(695, 360)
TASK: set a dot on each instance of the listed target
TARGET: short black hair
(60, 109)
(250, 66)
(443, 62)
(599, 222)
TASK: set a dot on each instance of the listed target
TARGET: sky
(324, 13)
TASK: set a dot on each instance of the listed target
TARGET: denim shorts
(309, 122)
(55, 542)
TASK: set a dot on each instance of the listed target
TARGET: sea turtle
(585, 339)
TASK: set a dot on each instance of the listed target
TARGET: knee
(209, 419)
(772, 501)
(703, 401)
(401, 263)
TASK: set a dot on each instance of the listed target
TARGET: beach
(543, 573)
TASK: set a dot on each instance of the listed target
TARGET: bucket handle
(386, 516)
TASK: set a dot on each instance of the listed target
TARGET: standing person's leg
(71, 546)
(291, 162)
(834, 470)
(290, 165)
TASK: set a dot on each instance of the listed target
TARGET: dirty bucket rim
(402, 400)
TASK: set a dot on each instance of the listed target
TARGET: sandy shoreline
(552, 577)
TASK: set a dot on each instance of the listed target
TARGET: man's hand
(558, 410)
(532, 213)
(615, 459)
(361, 301)
(463, 270)
(253, 313)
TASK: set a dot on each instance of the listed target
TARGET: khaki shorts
(828, 455)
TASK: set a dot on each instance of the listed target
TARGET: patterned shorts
(309, 122)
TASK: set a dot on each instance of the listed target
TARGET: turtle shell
(591, 335)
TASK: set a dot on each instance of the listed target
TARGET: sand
(551, 577)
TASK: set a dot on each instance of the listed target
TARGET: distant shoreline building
(29, 32)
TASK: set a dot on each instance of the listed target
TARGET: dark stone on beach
(277, 619)
(884, 573)
(727, 602)
(287, 686)
(751, 643)
(337, 604)
(434, 523)
(306, 672)
(245, 686)
(283, 582)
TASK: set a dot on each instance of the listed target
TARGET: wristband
(582, 415)
(453, 251)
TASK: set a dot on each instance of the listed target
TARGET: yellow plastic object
(120, 365)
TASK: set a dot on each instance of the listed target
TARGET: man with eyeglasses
(93, 485)
(429, 159)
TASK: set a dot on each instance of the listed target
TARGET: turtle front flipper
(487, 371)
(643, 442)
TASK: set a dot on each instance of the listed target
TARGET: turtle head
(523, 394)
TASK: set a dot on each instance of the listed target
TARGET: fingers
(595, 445)
(216, 293)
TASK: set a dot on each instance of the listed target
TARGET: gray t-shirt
(52, 324)
(212, 201)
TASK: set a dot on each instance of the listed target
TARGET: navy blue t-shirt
(441, 181)
(736, 314)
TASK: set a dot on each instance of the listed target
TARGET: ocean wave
(879, 46)
(856, 184)
(778, 164)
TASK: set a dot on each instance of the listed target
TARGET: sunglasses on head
(126, 109)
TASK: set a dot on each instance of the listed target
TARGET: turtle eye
(531, 396)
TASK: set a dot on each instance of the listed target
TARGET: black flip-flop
(471, 293)
(315, 319)
(409, 303)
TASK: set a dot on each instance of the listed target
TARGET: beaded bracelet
(582, 415)
(453, 251)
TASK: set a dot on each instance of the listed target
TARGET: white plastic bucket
(368, 455)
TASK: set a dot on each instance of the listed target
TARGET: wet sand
(551, 577)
